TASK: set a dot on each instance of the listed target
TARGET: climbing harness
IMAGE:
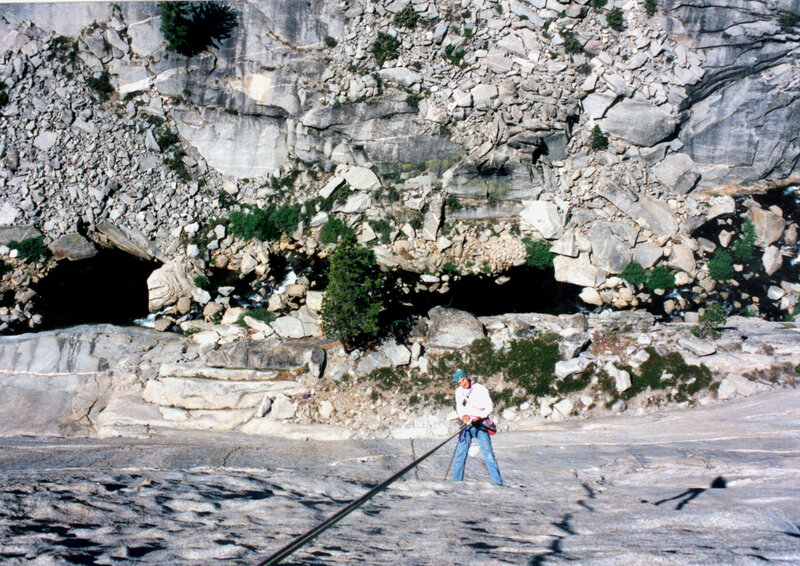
(302, 540)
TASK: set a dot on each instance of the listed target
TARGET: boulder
(639, 123)
(544, 217)
(678, 172)
(451, 328)
(772, 259)
(270, 354)
(18, 234)
(362, 179)
(169, 283)
(289, 327)
(571, 367)
(195, 393)
(609, 252)
(682, 257)
(646, 211)
(769, 226)
(72, 247)
(647, 254)
(577, 271)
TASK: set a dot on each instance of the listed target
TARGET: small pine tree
(352, 300)
(538, 253)
(650, 6)
(713, 317)
(720, 267)
(634, 274)
(597, 140)
(614, 19)
(192, 27)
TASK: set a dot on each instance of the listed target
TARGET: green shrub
(571, 43)
(598, 4)
(175, 163)
(789, 18)
(406, 18)
(101, 84)
(382, 228)
(667, 372)
(455, 57)
(614, 19)
(202, 282)
(720, 267)
(330, 42)
(30, 249)
(597, 140)
(413, 101)
(353, 299)
(538, 254)
(451, 269)
(660, 278)
(650, 6)
(333, 230)
(744, 246)
(266, 224)
(167, 139)
(532, 363)
(192, 27)
(259, 314)
(713, 317)
(385, 47)
(634, 274)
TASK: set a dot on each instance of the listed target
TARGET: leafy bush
(202, 282)
(529, 364)
(382, 228)
(167, 139)
(720, 267)
(650, 6)
(538, 254)
(597, 140)
(30, 249)
(330, 42)
(455, 57)
(598, 4)
(192, 27)
(713, 317)
(259, 314)
(353, 299)
(333, 230)
(406, 18)
(266, 224)
(175, 163)
(660, 278)
(667, 372)
(101, 84)
(385, 47)
(571, 43)
(413, 101)
(744, 246)
(614, 19)
(789, 18)
(634, 274)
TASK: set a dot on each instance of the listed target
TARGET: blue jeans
(464, 441)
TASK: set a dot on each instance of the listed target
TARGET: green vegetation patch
(668, 372)
(265, 224)
(660, 278)
(634, 274)
(744, 247)
(101, 84)
(713, 317)
(353, 298)
(333, 230)
(30, 249)
(597, 140)
(614, 19)
(192, 27)
(650, 6)
(538, 254)
(720, 267)
(385, 48)
(406, 18)
(259, 314)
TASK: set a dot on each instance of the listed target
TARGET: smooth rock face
(72, 247)
(636, 468)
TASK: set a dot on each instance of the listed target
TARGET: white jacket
(478, 402)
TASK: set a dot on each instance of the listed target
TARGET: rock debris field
(715, 485)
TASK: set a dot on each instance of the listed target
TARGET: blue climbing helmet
(459, 375)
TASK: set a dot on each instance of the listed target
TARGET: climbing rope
(304, 539)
